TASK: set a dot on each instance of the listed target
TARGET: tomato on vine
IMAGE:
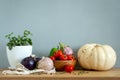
(52, 57)
(63, 57)
(58, 53)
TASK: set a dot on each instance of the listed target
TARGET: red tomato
(70, 57)
(58, 53)
(69, 68)
(63, 57)
(52, 57)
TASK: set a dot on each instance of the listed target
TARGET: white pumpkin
(96, 57)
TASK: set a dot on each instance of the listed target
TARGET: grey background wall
(74, 22)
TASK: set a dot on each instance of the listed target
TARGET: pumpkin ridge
(105, 55)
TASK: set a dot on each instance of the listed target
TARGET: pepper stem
(62, 46)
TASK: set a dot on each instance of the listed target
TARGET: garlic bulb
(45, 63)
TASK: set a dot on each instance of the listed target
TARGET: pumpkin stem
(97, 45)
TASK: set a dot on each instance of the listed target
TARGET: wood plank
(113, 74)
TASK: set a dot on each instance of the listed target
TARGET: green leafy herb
(19, 40)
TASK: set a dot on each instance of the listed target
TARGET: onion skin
(29, 63)
(68, 51)
(37, 59)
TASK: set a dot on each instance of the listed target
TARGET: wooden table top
(113, 74)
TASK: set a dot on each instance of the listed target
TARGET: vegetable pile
(32, 62)
(63, 53)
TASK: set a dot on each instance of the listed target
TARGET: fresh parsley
(19, 40)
